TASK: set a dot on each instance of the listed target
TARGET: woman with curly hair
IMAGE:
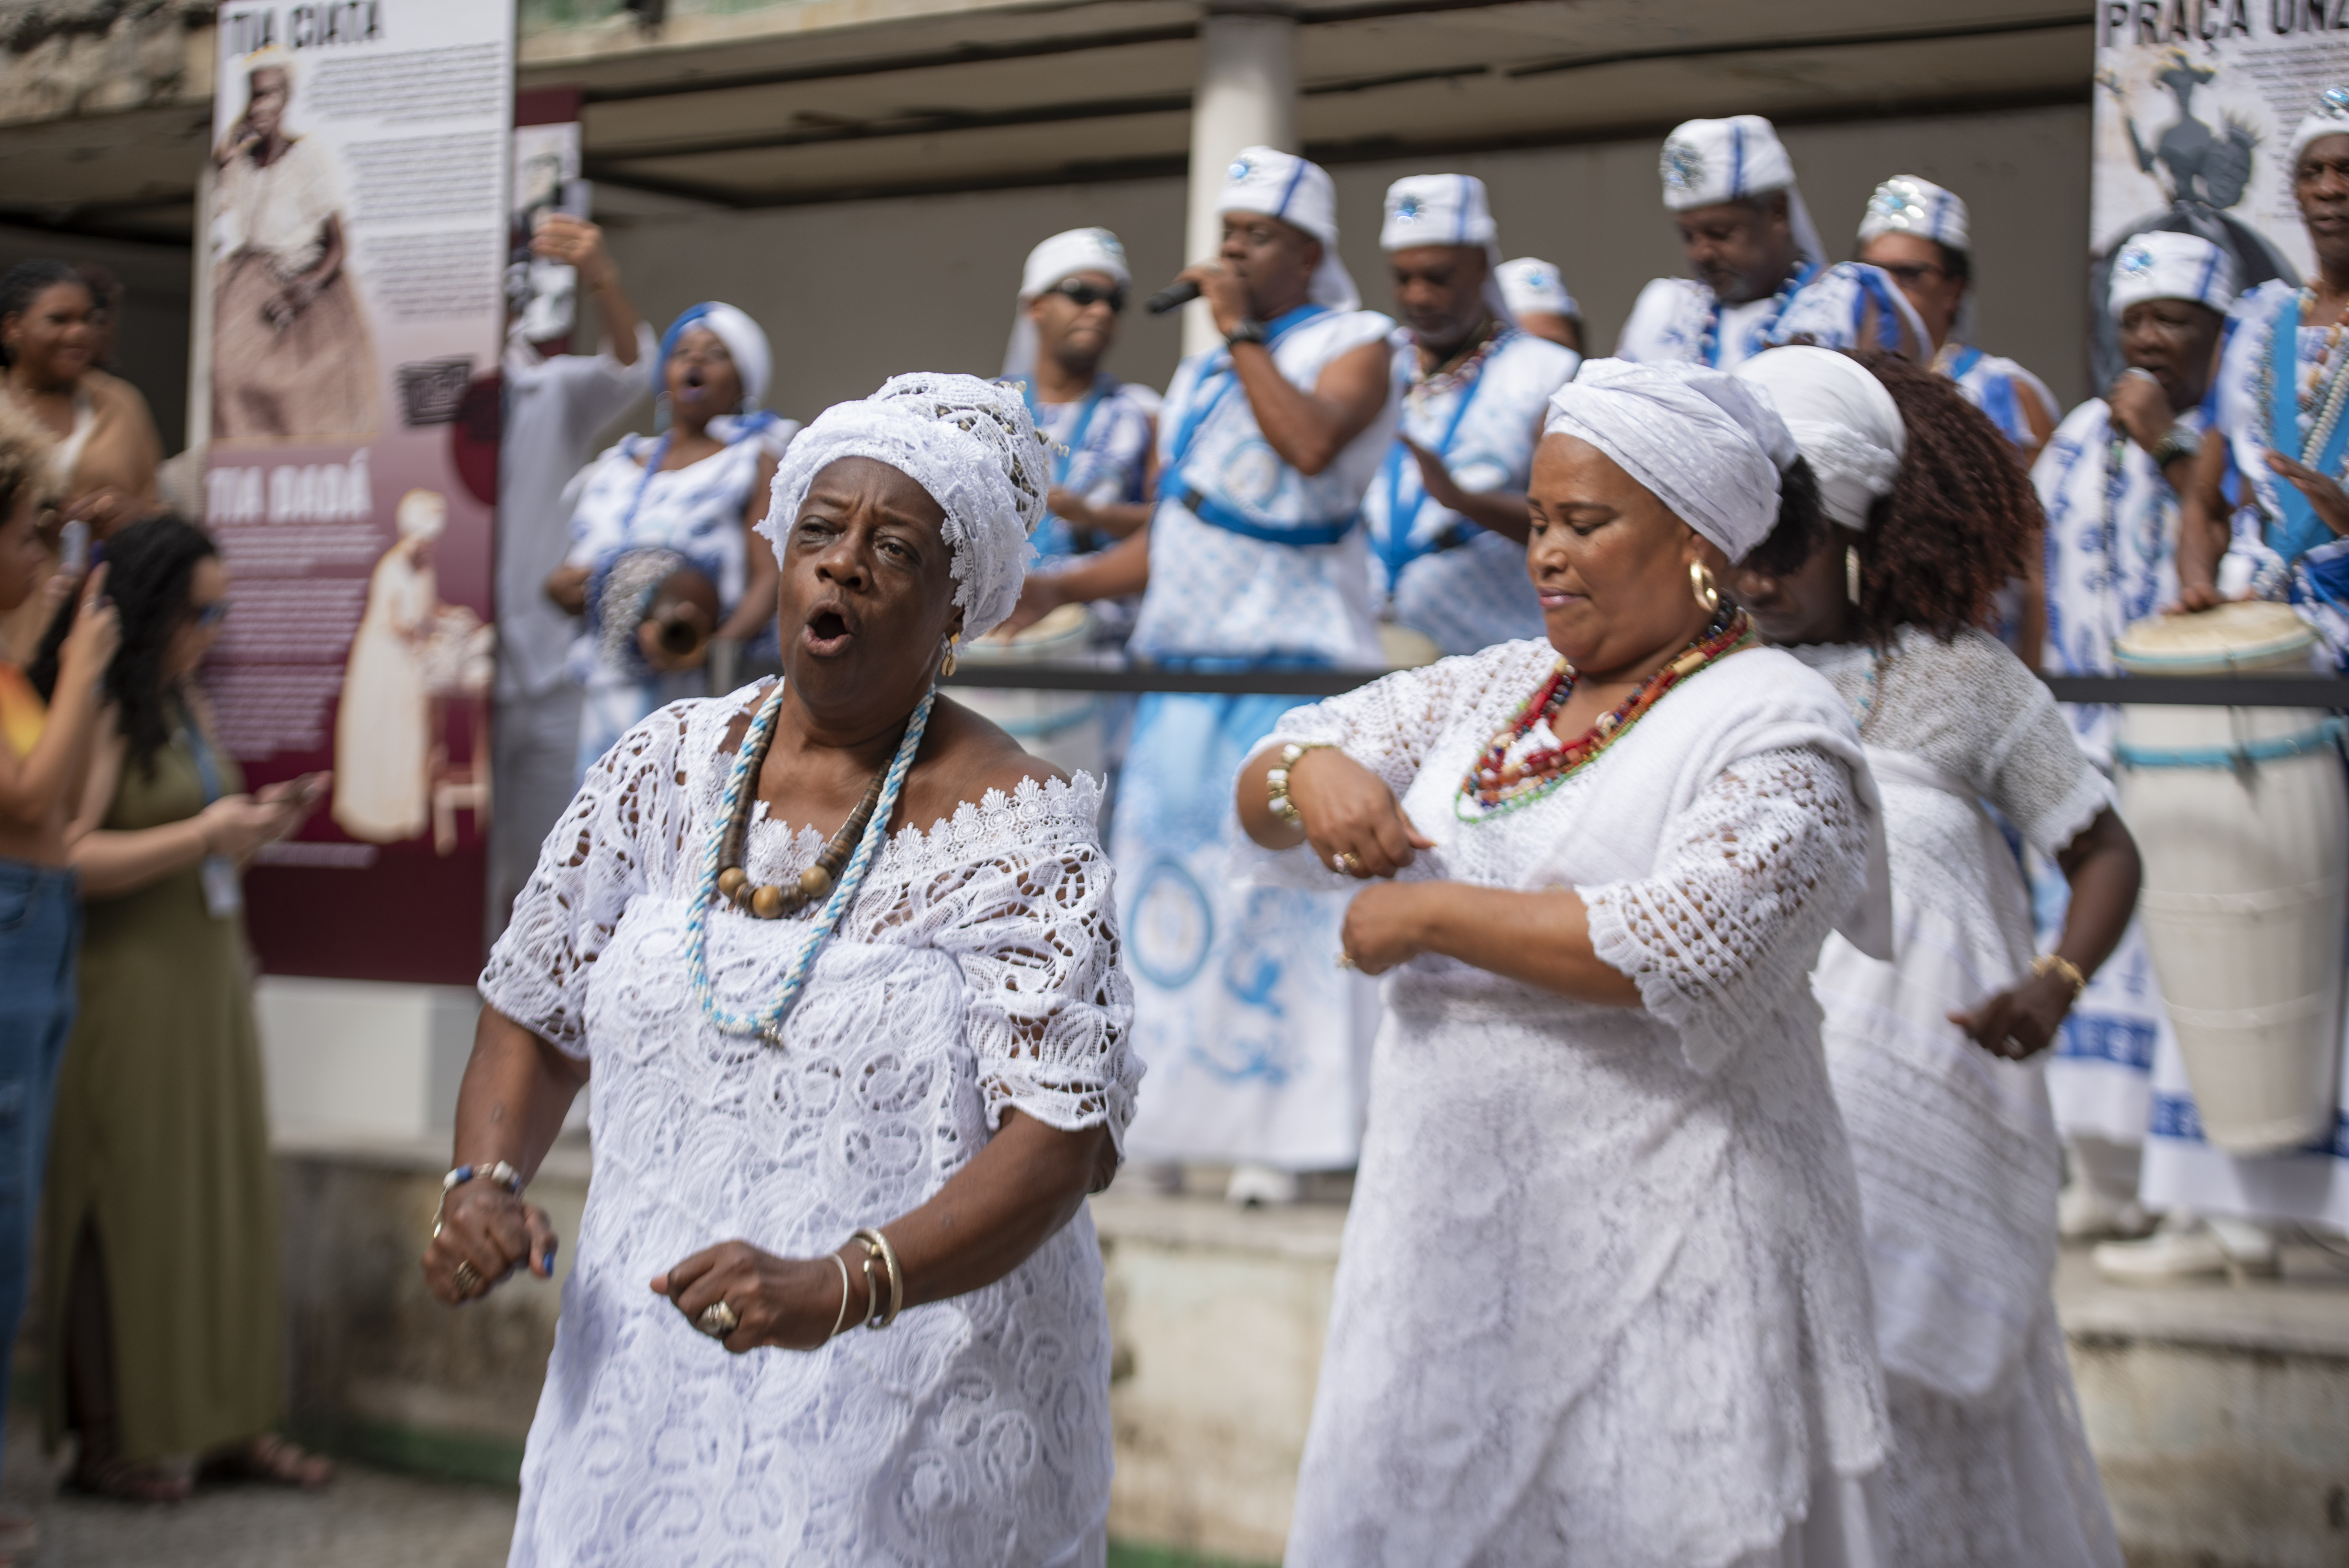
(159, 1227)
(1925, 515)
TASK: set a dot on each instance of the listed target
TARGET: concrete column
(200, 317)
(1246, 97)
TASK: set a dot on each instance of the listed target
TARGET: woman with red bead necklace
(1602, 1296)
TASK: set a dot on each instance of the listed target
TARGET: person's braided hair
(24, 283)
(1960, 522)
(150, 576)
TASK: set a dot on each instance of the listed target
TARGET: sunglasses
(211, 615)
(1911, 272)
(1084, 296)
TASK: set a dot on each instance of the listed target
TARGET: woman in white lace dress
(953, 1073)
(1926, 514)
(1602, 1298)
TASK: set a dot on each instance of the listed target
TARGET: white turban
(1053, 263)
(1282, 185)
(1846, 423)
(2329, 117)
(970, 443)
(1904, 205)
(744, 342)
(1708, 162)
(1709, 446)
(2160, 265)
(1531, 283)
(1447, 210)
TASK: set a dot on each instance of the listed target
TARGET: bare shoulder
(965, 756)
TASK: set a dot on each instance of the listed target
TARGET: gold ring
(1345, 958)
(1352, 862)
(717, 1320)
(467, 1279)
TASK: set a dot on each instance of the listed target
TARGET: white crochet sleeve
(619, 837)
(1748, 881)
(1392, 724)
(1018, 891)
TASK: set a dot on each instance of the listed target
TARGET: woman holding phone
(159, 1226)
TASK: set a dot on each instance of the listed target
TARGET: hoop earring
(949, 664)
(1702, 588)
(1851, 573)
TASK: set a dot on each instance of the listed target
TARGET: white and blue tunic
(1257, 1042)
(1847, 305)
(623, 502)
(2258, 411)
(2111, 561)
(1100, 450)
(1999, 387)
(1430, 568)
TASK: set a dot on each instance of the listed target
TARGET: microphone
(1174, 297)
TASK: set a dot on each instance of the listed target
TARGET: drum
(1066, 728)
(2243, 818)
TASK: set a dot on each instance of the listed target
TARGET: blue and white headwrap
(1529, 282)
(1708, 162)
(2328, 117)
(2160, 265)
(1282, 185)
(753, 361)
(1906, 204)
(1447, 210)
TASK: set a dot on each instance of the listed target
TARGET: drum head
(2251, 634)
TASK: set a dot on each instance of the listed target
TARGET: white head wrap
(1904, 205)
(745, 343)
(970, 443)
(1709, 446)
(2329, 117)
(1285, 186)
(2160, 265)
(1708, 162)
(1841, 416)
(1531, 283)
(1053, 263)
(1447, 210)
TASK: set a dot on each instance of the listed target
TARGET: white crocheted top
(977, 968)
(1662, 1341)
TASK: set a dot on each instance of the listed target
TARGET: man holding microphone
(1257, 1042)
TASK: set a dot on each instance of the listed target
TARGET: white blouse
(977, 968)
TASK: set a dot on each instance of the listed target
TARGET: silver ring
(717, 1320)
(1346, 959)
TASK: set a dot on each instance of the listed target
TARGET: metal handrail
(2327, 691)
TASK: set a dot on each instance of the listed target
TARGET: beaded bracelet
(499, 1172)
(1276, 781)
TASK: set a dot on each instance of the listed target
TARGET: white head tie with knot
(971, 444)
(1709, 446)
(1282, 185)
(1846, 423)
(2164, 265)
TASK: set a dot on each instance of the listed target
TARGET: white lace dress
(979, 969)
(1602, 1298)
(1956, 1148)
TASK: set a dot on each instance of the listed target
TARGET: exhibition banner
(358, 235)
(2195, 105)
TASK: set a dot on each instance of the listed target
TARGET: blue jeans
(40, 939)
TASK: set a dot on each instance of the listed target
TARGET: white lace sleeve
(1748, 881)
(1390, 725)
(1050, 1017)
(2038, 775)
(618, 838)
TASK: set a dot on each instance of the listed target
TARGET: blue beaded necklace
(1708, 347)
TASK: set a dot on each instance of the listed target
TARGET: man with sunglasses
(1446, 515)
(1761, 274)
(1072, 293)
(1916, 232)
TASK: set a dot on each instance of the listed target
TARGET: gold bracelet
(2057, 963)
(876, 1246)
(1276, 780)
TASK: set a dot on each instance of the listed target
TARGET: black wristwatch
(1249, 330)
(2180, 440)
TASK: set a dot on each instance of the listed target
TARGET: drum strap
(2238, 757)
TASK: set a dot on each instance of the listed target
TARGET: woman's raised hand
(785, 1303)
(89, 648)
(1351, 816)
(484, 1234)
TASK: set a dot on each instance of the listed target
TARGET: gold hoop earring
(1851, 572)
(947, 665)
(1702, 588)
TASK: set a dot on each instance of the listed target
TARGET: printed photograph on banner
(543, 294)
(359, 234)
(2194, 110)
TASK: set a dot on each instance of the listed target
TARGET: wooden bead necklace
(767, 900)
(1496, 786)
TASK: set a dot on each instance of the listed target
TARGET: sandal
(273, 1461)
(118, 1480)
